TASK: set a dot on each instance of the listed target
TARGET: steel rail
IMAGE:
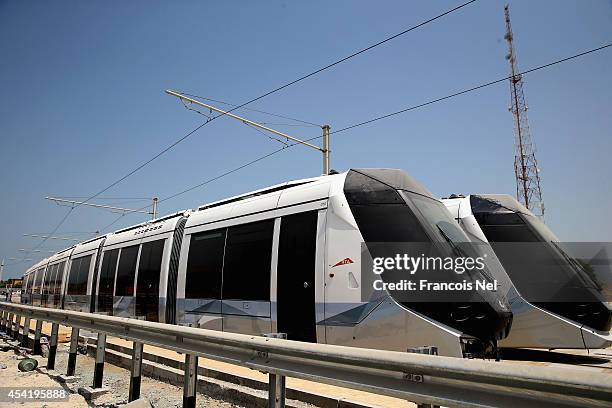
(419, 378)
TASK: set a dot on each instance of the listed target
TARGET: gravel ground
(160, 394)
(10, 376)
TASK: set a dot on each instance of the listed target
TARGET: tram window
(126, 271)
(248, 253)
(380, 211)
(29, 283)
(57, 287)
(83, 275)
(49, 279)
(26, 283)
(38, 281)
(79, 273)
(388, 223)
(508, 227)
(52, 278)
(73, 276)
(107, 272)
(205, 265)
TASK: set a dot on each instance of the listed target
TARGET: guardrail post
(12, 324)
(276, 382)
(9, 325)
(16, 327)
(99, 368)
(52, 346)
(2, 317)
(8, 329)
(13, 321)
(276, 391)
(429, 350)
(4, 321)
(36, 349)
(26, 332)
(72, 355)
(191, 381)
(136, 371)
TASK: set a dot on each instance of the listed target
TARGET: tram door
(147, 285)
(296, 276)
(106, 282)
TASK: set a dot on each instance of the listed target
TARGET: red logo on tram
(345, 261)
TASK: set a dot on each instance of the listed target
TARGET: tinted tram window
(126, 271)
(57, 287)
(49, 279)
(505, 227)
(388, 223)
(73, 276)
(380, 211)
(30, 282)
(147, 287)
(83, 275)
(26, 284)
(107, 280)
(79, 273)
(38, 281)
(205, 265)
(248, 253)
(53, 279)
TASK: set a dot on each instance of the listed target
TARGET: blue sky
(82, 102)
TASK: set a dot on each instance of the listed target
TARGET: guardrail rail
(419, 378)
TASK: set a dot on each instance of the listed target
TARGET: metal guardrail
(419, 378)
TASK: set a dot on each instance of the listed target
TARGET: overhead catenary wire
(277, 89)
(106, 228)
(55, 229)
(414, 107)
(120, 180)
(50, 234)
(475, 88)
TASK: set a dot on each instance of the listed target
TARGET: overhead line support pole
(324, 149)
(154, 208)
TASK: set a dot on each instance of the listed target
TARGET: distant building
(14, 283)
